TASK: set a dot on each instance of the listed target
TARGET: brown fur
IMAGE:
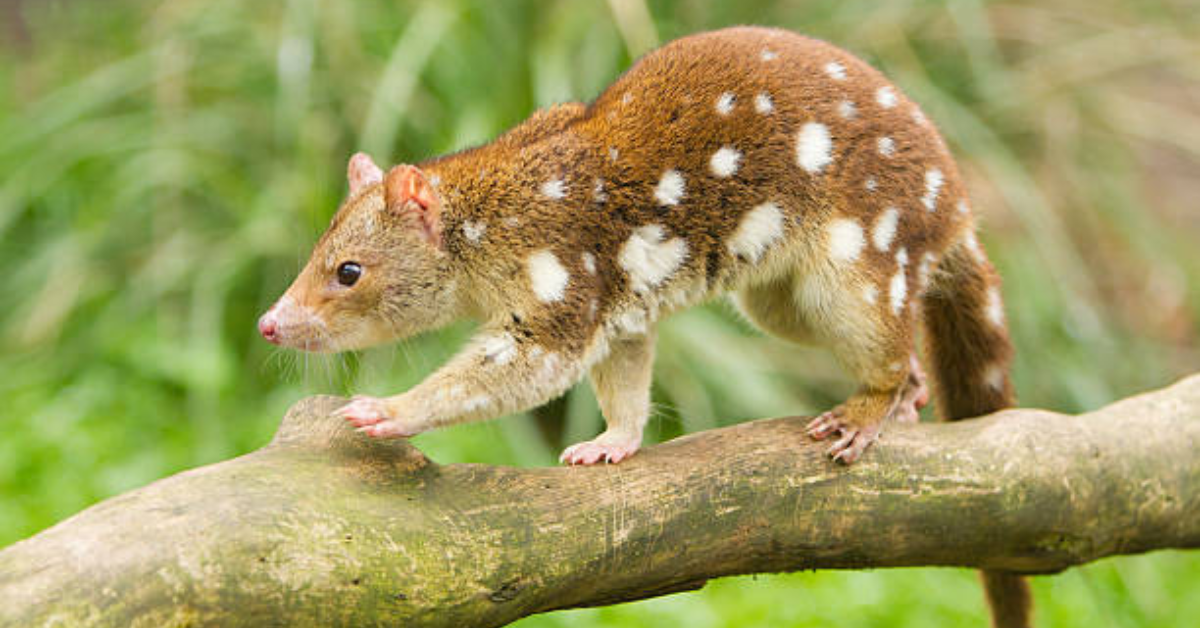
(566, 239)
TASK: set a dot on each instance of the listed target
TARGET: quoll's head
(379, 272)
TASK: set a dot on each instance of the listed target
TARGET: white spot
(995, 307)
(902, 256)
(887, 146)
(626, 98)
(613, 154)
(993, 377)
(836, 71)
(962, 206)
(760, 228)
(536, 352)
(548, 276)
(435, 180)
(474, 230)
(870, 294)
(477, 402)
(918, 116)
(897, 291)
(551, 365)
(871, 184)
(670, 188)
(500, 349)
(814, 148)
(847, 110)
(649, 259)
(589, 263)
(927, 260)
(845, 240)
(885, 228)
(725, 103)
(769, 55)
(933, 184)
(725, 161)
(763, 103)
(512, 221)
(631, 321)
(895, 367)
(972, 245)
(592, 307)
(598, 193)
(886, 97)
(554, 188)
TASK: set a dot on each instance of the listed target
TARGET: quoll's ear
(406, 190)
(361, 172)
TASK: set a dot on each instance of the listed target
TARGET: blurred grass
(164, 168)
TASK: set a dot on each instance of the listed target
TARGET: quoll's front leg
(622, 385)
(493, 375)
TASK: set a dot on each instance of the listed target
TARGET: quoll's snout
(268, 326)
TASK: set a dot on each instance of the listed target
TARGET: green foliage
(166, 167)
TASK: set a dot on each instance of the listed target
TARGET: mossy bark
(323, 527)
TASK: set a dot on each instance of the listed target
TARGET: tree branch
(325, 528)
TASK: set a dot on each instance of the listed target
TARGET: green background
(165, 167)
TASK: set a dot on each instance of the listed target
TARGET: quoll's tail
(968, 344)
(969, 353)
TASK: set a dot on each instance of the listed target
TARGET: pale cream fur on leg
(622, 386)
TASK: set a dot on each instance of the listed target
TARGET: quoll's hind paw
(908, 406)
(913, 396)
(916, 392)
(594, 451)
(852, 440)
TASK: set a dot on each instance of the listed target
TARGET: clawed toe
(848, 449)
(824, 425)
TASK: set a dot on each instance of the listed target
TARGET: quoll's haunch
(750, 161)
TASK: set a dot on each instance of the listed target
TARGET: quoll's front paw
(374, 417)
(601, 449)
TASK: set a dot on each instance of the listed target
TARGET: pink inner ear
(362, 172)
(407, 190)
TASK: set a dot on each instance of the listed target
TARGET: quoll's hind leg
(873, 339)
(622, 385)
(874, 342)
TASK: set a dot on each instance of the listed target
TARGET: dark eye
(348, 273)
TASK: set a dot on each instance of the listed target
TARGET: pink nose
(266, 327)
